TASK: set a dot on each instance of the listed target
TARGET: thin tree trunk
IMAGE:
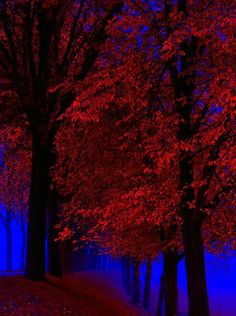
(66, 257)
(92, 259)
(123, 271)
(83, 259)
(161, 296)
(9, 241)
(136, 283)
(35, 254)
(128, 275)
(147, 285)
(171, 282)
(23, 245)
(54, 260)
(195, 269)
(99, 261)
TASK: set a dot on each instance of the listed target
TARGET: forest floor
(81, 294)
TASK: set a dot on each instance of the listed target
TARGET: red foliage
(123, 175)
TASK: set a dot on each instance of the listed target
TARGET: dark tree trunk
(23, 245)
(83, 259)
(8, 241)
(161, 296)
(171, 282)
(193, 243)
(35, 254)
(136, 283)
(92, 259)
(192, 238)
(127, 275)
(99, 262)
(147, 285)
(123, 272)
(54, 259)
(195, 269)
(184, 86)
(66, 257)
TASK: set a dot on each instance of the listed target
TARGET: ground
(100, 293)
(83, 294)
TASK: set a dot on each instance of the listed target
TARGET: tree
(185, 84)
(113, 199)
(47, 49)
(197, 118)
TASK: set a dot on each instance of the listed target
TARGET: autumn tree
(111, 188)
(195, 118)
(47, 48)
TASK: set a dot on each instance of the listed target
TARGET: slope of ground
(83, 294)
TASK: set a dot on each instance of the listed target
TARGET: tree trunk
(147, 285)
(35, 254)
(161, 296)
(92, 259)
(171, 282)
(195, 269)
(193, 245)
(9, 241)
(136, 283)
(127, 274)
(192, 239)
(184, 85)
(23, 245)
(54, 260)
(123, 271)
(66, 257)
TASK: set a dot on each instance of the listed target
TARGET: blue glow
(221, 276)
(16, 244)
